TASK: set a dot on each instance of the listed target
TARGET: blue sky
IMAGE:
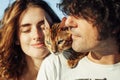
(5, 3)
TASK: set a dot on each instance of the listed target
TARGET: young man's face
(84, 35)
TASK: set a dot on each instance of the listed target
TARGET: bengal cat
(58, 40)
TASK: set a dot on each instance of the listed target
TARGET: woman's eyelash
(25, 31)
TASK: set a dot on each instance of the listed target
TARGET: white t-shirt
(55, 68)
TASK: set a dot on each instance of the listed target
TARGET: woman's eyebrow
(28, 24)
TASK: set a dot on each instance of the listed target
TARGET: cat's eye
(60, 41)
(48, 42)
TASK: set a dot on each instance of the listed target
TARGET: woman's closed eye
(25, 29)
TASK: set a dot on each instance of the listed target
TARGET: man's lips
(75, 36)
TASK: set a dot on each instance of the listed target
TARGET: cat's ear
(62, 24)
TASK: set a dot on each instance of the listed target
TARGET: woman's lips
(38, 45)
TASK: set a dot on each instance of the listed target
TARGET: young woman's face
(30, 33)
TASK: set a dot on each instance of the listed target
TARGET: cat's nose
(54, 49)
(55, 52)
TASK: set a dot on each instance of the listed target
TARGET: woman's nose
(37, 34)
(70, 21)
